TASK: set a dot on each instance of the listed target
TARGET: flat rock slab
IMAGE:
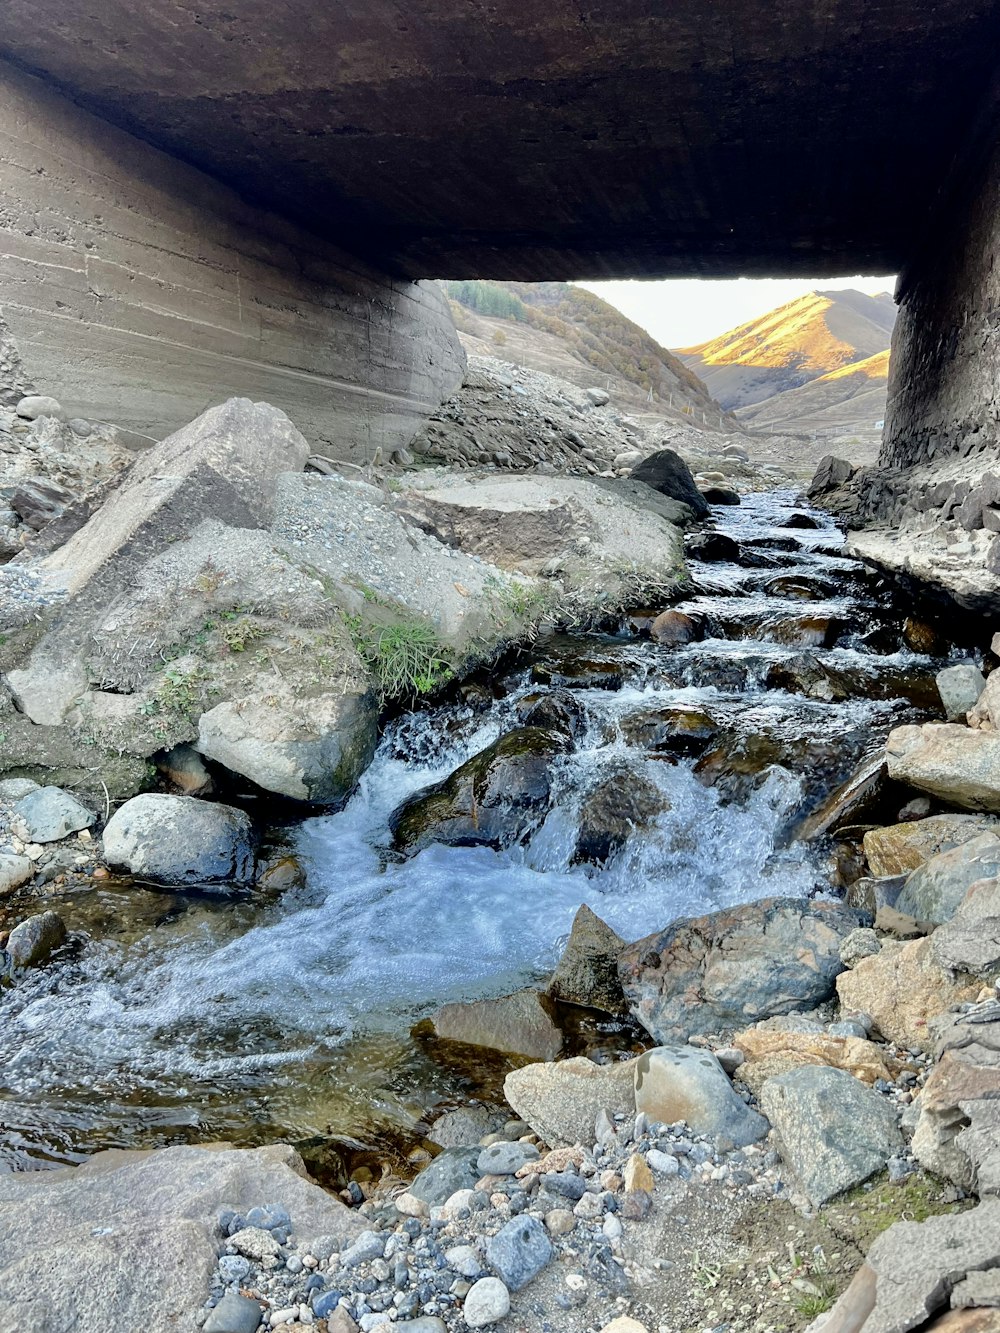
(834, 1132)
(736, 966)
(561, 1102)
(957, 764)
(131, 1239)
(517, 1023)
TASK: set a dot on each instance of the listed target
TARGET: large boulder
(902, 988)
(736, 966)
(970, 940)
(900, 848)
(769, 1051)
(494, 799)
(957, 764)
(561, 1102)
(934, 891)
(603, 547)
(131, 1240)
(518, 1023)
(833, 1132)
(666, 472)
(612, 811)
(181, 841)
(687, 1083)
(587, 972)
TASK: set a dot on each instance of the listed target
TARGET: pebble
(663, 1163)
(504, 1158)
(519, 1251)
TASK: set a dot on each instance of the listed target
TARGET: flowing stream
(185, 1018)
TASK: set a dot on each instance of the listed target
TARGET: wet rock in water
(611, 812)
(850, 802)
(675, 728)
(181, 841)
(580, 672)
(740, 762)
(970, 940)
(922, 637)
(519, 1251)
(34, 941)
(796, 588)
(736, 966)
(280, 874)
(518, 1023)
(957, 764)
(818, 679)
(14, 871)
(713, 547)
(553, 710)
(960, 687)
(674, 628)
(494, 799)
(50, 814)
(800, 520)
(934, 891)
(587, 972)
(771, 1051)
(184, 768)
(833, 1132)
(801, 631)
(899, 848)
(686, 1083)
(561, 1102)
(666, 472)
(453, 1170)
(902, 988)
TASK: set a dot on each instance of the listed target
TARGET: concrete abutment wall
(139, 291)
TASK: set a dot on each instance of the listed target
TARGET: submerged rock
(34, 941)
(494, 799)
(736, 966)
(182, 841)
(587, 972)
(518, 1023)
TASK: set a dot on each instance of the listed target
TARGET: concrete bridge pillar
(139, 291)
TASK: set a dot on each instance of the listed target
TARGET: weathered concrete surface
(140, 291)
(526, 140)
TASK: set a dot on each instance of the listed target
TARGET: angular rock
(960, 687)
(955, 763)
(561, 1101)
(686, 1083)
(587, 972)
(454, 1169)
(39, 503)
(612, 812)
(519, 1251)
(934, 891)
(902, 988)
(736, 966)
(833, 1132)
(181, 841)
(861, 943)
(50, 814)
(17, 870)
(666, 472)
(310, 749)
(34, 941)
(770, 1052)
(518, 1023)
(970, 941)
(463, 1128)
(900, 848)
(91, 1230)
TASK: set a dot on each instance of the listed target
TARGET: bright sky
(682, 312)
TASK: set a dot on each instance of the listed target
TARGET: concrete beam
(140, 291)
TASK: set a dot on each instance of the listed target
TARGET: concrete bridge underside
(242, 195)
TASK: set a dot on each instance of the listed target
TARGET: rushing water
(182, 1018)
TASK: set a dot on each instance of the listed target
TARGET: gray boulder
(960, 687)
(35, 405)
(833, 1131)
(736, 966)
(519, 1251)
(14, 871)
(934, 891)
(561, 1102)
(666, 472)
(181, 841)
(234, 1314)
(587, 972)
(454, 1169)
(969, 941)
(49, 814)
(34, 941)
(132, 1240)
(957, 764)
(686, 1083)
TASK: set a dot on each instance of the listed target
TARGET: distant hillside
(800, 343)
(571, 333)
(850, 399)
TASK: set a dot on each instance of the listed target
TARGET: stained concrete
(532, 140)
(141, 292)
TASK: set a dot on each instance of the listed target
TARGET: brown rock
(673, 628)
(945, 1113)
(769, 1053)
(587, 973)
(900, 848)
(519, 1023)
(638, 1175)
(902, 988)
